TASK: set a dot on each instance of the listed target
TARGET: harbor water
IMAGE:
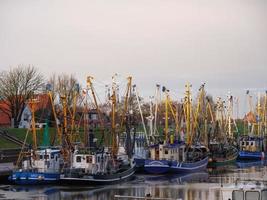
(197, 186)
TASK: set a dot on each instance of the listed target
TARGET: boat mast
(86, 121)
(76, 92)
(32, 104)
(150, 119)
(91, 87)
(125, 110)
(59, 133)
(113, 120)
(166, 114)
(188, 113)
(264, 113)
(156, 108)
(66, 143)
(196, 116)
(229, 116)
(259, 115)
(141, 113)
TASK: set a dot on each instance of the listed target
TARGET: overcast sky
(220, 42)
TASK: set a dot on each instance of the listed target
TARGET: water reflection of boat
(250, 163)
(180, 179)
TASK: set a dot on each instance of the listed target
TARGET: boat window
(166, 151)
(237, 195)
(252, 195)
(252, 143)
(88, 159)
(46, 156)
(264, 195)
(78, 159)
(243, 143)
(247, 143)
(41, 156)
(56, 158)
(52, 156)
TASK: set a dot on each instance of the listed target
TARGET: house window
(94, 116)
(78, 159)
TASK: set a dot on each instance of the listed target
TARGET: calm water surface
(198, 186)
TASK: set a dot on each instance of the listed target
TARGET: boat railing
(147, 197)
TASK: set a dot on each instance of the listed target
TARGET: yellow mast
(188, 113)
(175, 115)
(166, 115)
(196, 115)
(32, 103)
(59, 133)
(91, 87)
(66, 143)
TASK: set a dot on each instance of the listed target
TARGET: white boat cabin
(90, 163)
(167, 152)
(44, 160)
(251, 144)
(244, 193)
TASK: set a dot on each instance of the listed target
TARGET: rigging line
(22, 148)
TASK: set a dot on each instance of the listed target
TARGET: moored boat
(41, 167)
(37, 165)
(177, 156)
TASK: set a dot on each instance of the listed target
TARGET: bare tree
(64, 86)
(17, 86)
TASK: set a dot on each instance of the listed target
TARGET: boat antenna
(156, 108)
(141, 113)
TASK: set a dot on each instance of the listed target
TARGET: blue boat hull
(157, 166)
(34, 178)
(250, 163)
(140, 162)
(247, 155)
(184, 167)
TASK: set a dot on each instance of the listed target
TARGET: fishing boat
(176, 156)
(222, 154)
(253, 145)
(252, 148)
(147, 139)
(221, 145)
(104, 164)
(42, 167)
(37, 165)
(97, 168)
